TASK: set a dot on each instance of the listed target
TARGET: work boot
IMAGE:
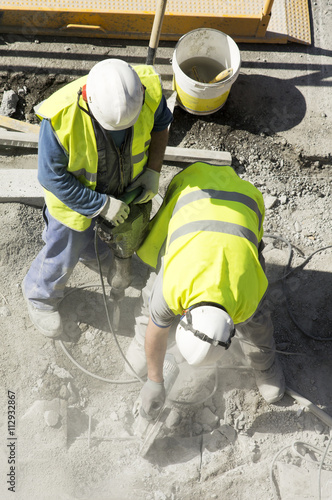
(136, 357)
(271, 382)
(47, 321)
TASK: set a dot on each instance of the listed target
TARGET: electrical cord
(321, 467)
(292, 446)
(87, 372)
(288, 272)
(106, 309)
(269, 349)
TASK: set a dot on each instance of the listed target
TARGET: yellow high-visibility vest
(210, 227)
(74, 130)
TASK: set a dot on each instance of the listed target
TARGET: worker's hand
(149, 181)
(115, 211)
(152, 398)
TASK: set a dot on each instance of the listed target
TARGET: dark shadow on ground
(256, 103)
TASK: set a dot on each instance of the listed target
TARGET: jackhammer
(124, 240)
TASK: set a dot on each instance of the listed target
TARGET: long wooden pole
(156, 30)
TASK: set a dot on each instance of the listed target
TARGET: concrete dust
(220, 440)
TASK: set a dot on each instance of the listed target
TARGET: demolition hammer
(124, 240)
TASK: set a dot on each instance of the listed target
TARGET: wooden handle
(85, 27)
(156, 30)
(222, 75)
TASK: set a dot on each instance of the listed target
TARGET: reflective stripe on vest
(140, 156)
(214, 226)
(220, 195)
(89, 176)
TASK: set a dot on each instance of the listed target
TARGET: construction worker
(206, 241)
(100, 135)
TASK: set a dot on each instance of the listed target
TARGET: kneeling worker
(206, 241)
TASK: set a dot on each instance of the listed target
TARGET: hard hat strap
(79, 93)
(203, 336)
(200, 304)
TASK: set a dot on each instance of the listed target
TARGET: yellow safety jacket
(212, 222)
(74, 130)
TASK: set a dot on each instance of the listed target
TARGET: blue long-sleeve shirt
(53, 161)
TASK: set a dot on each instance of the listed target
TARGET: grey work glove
(115, 211)
(152, 397)
(149, 181)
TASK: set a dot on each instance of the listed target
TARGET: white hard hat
(114, 94)
(203, 334)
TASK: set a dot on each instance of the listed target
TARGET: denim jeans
(44, 284)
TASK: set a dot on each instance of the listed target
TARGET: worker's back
(213, 221)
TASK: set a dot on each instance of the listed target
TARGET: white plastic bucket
(218, 50)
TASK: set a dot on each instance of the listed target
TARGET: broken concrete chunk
(9, 103)
(5, 311)
(240, 421)
(51, 418)
(228, 431)
(159, 495)
(90, 335)
(73, 397)
(64, 393)
(206, 417)
(114, 416)
(214, 441)
(60, 372)
(270, 201)
(319, 428)
(173, 419)
(197, 429)
(297, 227)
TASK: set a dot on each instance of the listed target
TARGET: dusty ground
(74, 432)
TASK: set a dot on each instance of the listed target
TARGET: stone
(9, 103)
(159, 495)
(270, 201)
(173, 419)
(60, 372)
(319, 428)
(197, 429)
(228, 431)
(5, 311)
(51, 418)
(297, 227)
(64, 393)
(206, 417)
(214, 441)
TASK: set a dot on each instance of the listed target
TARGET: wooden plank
(187, 155)
(175, 154)
(18, 139)
(21, 186)
(19, 126)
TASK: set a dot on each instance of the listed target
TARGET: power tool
(124, 240)
(148, 430)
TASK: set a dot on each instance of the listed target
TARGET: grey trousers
(256, 339)
(255, 336)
